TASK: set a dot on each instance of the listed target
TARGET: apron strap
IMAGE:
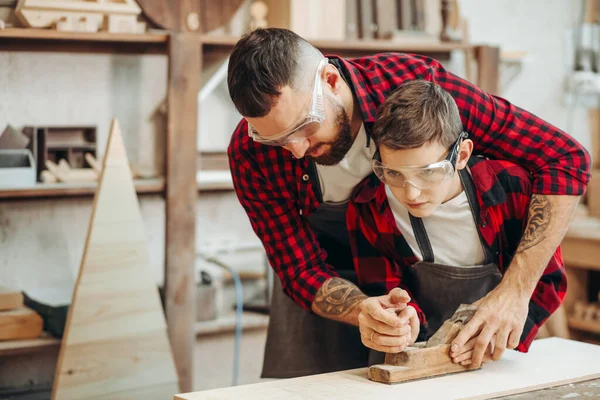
(469, 185)
(422, 238)
(421, 233)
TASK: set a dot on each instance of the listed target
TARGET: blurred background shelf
(142, 186)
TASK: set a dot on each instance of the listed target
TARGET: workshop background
(64, 83)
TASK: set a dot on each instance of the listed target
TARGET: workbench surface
(551, 362)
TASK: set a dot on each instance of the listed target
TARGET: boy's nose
(411, 192)
(298, 149)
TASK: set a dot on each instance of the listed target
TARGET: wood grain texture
(20, 323)
(115, 343)
(390, 374)
(181, 196)
(415, 363)
(10, 299)
(488, 60)
(514, 373)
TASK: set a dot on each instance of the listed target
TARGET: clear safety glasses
(308, 126)
(425, 177)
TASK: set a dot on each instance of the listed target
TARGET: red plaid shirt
(381, 254)
(276, 193)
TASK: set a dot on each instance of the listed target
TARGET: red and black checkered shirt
(503, 190)
(276, 193)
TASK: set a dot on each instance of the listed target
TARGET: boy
(438, 223)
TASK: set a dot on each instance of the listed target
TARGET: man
(439, 223)
(304, 145)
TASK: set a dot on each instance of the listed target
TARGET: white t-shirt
(338, 181)
(451, 230)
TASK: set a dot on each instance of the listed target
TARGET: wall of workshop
(39, 237)
(542, 28)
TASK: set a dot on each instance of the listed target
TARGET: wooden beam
(181, 195)
(488, 69)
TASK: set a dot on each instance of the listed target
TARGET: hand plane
(425, 359)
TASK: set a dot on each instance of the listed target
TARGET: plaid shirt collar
(490, 191)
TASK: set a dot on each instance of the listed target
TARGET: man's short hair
(418, 112)
(262, 62)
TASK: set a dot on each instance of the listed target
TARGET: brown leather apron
(439, 289)
(301, 343)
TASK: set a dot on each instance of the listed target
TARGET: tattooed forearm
(337, 298)
(540, 212)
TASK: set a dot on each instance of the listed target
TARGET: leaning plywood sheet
(550, 362)
(115, 343)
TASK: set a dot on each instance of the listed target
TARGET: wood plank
(581, 252)
(10, 298)
(375, 46)
(46, 40)
(488, 70)
(21, 323)
(12, 347)
(584, 325)
(514, 373)
(115, 337)
(49, 34)
(181, 197)
(395, 374)
(142, 186)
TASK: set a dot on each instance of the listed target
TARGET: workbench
(551, 362)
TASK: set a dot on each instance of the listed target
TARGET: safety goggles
(308, 126)
(425, 177)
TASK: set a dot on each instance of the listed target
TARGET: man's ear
(332, 78)
(464, 153)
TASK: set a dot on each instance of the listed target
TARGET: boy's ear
(464, 153)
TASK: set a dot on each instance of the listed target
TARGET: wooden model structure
(115, 344)
(425, 359)
(115, 16)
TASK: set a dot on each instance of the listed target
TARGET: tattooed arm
(501, 315)
(338, 299)
(387, 323)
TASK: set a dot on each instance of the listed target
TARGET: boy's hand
(386, 323)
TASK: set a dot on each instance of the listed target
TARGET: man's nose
(411, 191)
(298, 149)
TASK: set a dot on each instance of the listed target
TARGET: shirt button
(300, 211)
(483, 224)
(305, 177)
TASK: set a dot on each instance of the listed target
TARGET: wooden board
(115, 343)
(10, 299)
(21, 323)
(550, 362)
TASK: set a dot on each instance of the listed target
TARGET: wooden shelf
(11, 347)
(362, 47)
(582, 325)
(49, 40)
(142, 186)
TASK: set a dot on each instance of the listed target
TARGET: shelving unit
(188, 53)
(12, 347)
(581, 253)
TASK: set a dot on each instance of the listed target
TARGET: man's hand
(387, 323)
(496, 326)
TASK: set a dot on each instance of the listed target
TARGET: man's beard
(342, 142)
